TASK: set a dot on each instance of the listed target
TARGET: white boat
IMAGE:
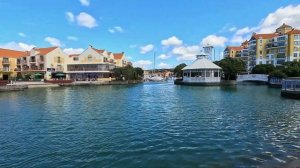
(156, 78)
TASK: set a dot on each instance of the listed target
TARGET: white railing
(252, 77)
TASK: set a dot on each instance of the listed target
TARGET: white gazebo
(202, 71)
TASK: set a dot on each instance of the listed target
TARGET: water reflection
(151, 124)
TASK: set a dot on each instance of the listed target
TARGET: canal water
(148, 125)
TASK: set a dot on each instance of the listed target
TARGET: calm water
(148, 125)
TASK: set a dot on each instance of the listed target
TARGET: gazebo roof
(202, 63)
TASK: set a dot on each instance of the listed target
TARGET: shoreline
(29, 85)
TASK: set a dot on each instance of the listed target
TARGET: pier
(291, 88)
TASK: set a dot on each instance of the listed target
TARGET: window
(260, 52)
(260, 41)
(296, 37)
(295, 54)
(216, 74)
(207, 74)
(75, 59)
(296, 42)
(90, 58)
(42, 58)
(295, 48)
(58, 60)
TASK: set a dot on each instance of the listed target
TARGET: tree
(263, 69)
(277, 73)
(292, 69)
(231, 67)
(178, 70)
(128, 72)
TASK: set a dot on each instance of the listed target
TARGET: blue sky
(174, 29)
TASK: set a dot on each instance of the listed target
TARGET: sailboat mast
(154, 63)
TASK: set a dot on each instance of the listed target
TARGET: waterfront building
(202, 72)
(120, 59)
(41, 63)
(233, 51)
(271, 48)
(8, 63)
(91, 64)
(293, 45)
(257, 48)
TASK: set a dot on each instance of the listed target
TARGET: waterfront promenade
(149, 125)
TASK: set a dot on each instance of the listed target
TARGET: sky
(169, 31)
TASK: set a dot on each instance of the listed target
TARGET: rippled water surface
(148, 125)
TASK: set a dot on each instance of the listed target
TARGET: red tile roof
(294, 31)
(235, 48)
(118, 55)
(99, 51)
(12, 53)
(265, 36)
(44, 51)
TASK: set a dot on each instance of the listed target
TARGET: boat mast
(154, 63)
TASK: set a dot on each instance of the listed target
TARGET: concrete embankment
(39, 84)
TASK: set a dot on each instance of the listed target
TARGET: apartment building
(269, 48)
(92, 64)
(8, 63)
(41, 63)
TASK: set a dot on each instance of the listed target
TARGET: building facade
(41, 63)
(270, 48)
(8, 63)
(91, 64)
(52, 62)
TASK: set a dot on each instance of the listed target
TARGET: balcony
(280, 55)
(6, 70)
(5, 62)
(32, 61)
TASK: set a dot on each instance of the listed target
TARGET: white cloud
(17, 46)
(147, 48)
(72, 38)
(142, 64)
(53, 41)
(232, 29)
(289, 15)
(129, 57)
(70, 16)
(22, 34)
(26, 47)
(163, 65)
(132, 46)
(73, 50)
(164, 56)
(112, 31)
(116, 29)
(186, 53)
(86, 20)
(85, 2)
(172, 41)
(216, 41)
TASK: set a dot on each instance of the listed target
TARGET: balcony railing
(280, 55)
(5, 62)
